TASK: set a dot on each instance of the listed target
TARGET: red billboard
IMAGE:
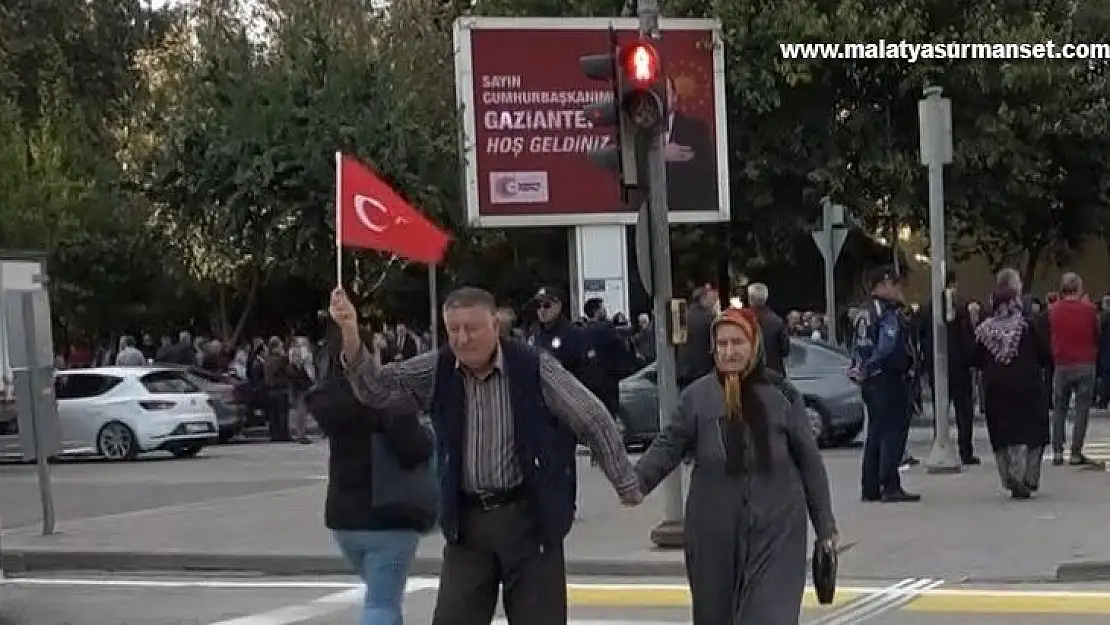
(527, 141)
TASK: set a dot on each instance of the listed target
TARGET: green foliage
(186, 154)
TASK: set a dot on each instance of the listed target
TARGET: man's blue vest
(545, 447)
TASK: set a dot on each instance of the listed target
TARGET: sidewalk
(964, 530)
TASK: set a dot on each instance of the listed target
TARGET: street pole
(935, 120)
(830, 287)
(830, 241)
(433, 305)
(669, 532)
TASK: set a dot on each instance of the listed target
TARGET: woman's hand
(832, 542)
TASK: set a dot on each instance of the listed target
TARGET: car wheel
(816, 422)
(116, 441)
(186, 451)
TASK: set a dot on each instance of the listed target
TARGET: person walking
(1012, 354)
(507, 417)
(757, 477)
(377, 536)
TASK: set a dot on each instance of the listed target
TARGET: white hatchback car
(120, 412)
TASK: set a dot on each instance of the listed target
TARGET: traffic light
(643, 92)
(636, 105)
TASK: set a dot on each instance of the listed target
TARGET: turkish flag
(372, 216)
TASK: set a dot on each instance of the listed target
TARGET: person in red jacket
(1073, 326)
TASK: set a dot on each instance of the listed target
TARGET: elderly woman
(757, 473)
(1011, 354)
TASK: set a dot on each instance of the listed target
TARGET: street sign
(527, 133)
(822, 239)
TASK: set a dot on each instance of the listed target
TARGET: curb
(1089, 571)
(19, 561)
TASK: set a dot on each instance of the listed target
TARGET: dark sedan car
(833, 402)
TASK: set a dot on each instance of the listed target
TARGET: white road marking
(414, 584)
(323, 606)
(303, 612)
(888, 600)
(861, 602)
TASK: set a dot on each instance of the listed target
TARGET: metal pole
(669, 532)
(433, 305)
(830, 282)
(942, 457)
(34, 383)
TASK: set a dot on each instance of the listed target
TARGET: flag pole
(338, 218)
(433, 296)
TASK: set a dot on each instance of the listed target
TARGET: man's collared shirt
(489, 458)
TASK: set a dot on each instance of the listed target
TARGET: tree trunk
(1032, 259)
(248, 305)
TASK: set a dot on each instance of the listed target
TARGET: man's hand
(342, 311)
(675, 153)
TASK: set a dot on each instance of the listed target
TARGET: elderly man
(507, 417)
(776, 340)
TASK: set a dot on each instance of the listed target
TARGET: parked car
(231, 411)
(834, 403)
(120, 412)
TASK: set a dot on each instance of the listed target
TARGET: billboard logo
(518, 187)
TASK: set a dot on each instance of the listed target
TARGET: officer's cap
(548, 294)
(882, 274)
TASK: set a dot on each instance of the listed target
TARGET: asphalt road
(90, 488)
(255, 601)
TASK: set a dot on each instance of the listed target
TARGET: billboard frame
(464, 90)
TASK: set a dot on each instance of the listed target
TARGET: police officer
(609, 356)
(883, 365)
(556, 334)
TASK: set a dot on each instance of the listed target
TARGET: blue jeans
(382, 560)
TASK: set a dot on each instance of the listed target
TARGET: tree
(246, 177)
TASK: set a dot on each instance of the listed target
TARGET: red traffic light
(640, 62)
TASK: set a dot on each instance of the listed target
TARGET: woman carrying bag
(382, 492)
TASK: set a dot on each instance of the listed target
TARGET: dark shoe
(305, 440)
(1057, 460)
(910, 461)
(971, 461)
(900, 497)
(1020, 493)
(871, 498)
(1078, 460)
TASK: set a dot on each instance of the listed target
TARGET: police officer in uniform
(883, 365)
(556, 334)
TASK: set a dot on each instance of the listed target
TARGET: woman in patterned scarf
(758, 478)
(1011, 354)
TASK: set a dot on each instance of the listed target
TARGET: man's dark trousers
(963, 404)
(888, 427)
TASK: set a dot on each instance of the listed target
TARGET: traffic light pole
(669, 532)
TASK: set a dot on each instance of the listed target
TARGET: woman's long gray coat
(746, 534)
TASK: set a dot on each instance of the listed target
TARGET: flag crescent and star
(374, 216)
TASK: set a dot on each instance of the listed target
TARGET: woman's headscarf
(745, 319)
(734, 385)
(1001, 332)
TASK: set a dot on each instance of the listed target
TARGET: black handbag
(824, 571)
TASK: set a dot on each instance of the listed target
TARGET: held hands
(633, 498)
